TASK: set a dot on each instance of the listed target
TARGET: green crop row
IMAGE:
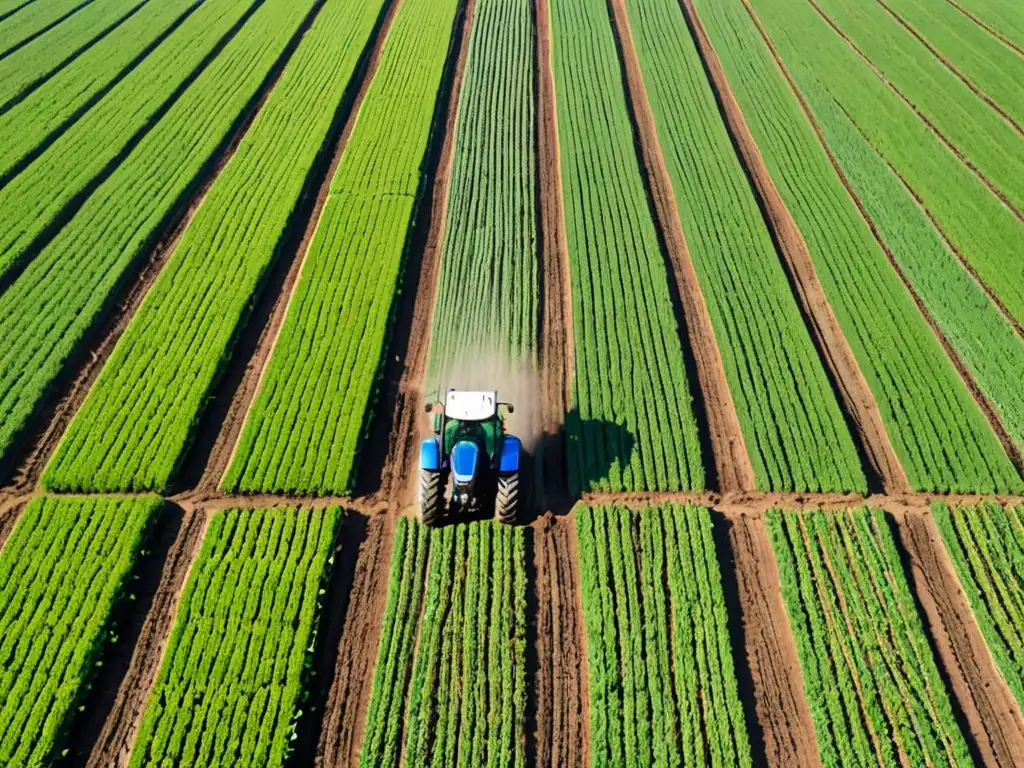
(81, 152)
(457, 695)
(174, 350)
(631, 424)
(231, 684)
(661, 680)
(792, 424)
(827, 70)
(63, 572)
(302, 433)
(986, 545)
(32, 20)
(488, 288)
(939, 434)
(1003, 16)
(46, 55)
(874, 691)
(47, 316)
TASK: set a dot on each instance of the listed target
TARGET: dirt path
(987, 711)
(364, 596)
(398, 422)
(733, 470)
(847, 378)
(119, 698)
(778, 719)
(560, 686)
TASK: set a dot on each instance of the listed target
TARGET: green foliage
(49, 312)
(661, 679)
(32, 20)
(632, 425)
(870, 679)
(172, 353)
(32, 201)
(488, 288)
(792, 425)
(986, 544)
(302, 433)
(939, 434)
(460, 689)
(63, 572)
(1004, 16)
(233, 678)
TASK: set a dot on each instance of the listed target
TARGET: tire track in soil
(767, 665)
(715, 409)
(560, 702)
(859, 406)
(119, 696)
(353, 629)
(984, 707)
(991, 30)
(81, 370)
(395, 425)
(220, 429)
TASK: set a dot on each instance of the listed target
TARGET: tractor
(470, 461)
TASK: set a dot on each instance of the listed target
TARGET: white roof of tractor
(470, 406)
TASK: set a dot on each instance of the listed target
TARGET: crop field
(743, 275)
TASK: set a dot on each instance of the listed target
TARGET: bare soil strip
(771, 683)
(924, 119)
(262, 332)
(733, 470)
(847, 378)
(71, 389)
(987, 408)
(119, 698)
(10, 512)
(991, 30)
(559, 687)
(355, 614)
(557, 345)
(951, 66)
(396, 426)
(987, 711)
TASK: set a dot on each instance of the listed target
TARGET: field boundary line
(733, 468)
(988, 28)
(858, 401)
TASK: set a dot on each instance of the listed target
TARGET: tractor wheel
(506, 502)
(431, 497)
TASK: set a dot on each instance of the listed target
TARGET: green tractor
(471, 449)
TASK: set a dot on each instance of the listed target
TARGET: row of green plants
(173, 352)
(488, 289)
(1002, 18)
(302, 433)
(986, 544)
(791, 421)
(77, 153)
(48, 315)
(870, 678)
(32, 21)
(631, 424)
(983, 230)
(453, 692)
(233, 679)
(939, 434)
(66, 568)
(662, 683)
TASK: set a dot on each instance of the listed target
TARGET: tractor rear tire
(431, 497)
(506, 502)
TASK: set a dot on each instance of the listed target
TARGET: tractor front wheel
(431, 497)
(506, 502)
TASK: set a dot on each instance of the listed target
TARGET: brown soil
(988, 713)
(221, 427)
(120, 697)
(847, 377)
(560, 683)
(10, 511)
(399, 422)
(557, 347)
(992, 31)
(780, 710)
(733, 470)
(341, 730)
